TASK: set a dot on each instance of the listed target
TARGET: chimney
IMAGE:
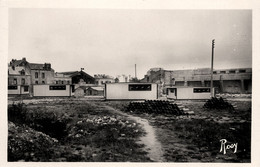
(47, 66)
(24, 59)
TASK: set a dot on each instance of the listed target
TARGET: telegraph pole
(135, 70)
(211, 77)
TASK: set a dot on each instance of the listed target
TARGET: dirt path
(152, 145)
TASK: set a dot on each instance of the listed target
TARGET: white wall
(187, 93)
(14, 91)
(23, 92)
(120, 91)
(43, 90)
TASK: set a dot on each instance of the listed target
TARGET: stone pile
(218, 103)
(155, 106)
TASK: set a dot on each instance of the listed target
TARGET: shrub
(49, 122)
(17, 113)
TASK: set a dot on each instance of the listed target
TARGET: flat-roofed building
(237, 80)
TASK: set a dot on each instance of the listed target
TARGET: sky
(112, 41)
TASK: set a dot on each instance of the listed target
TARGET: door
(172, 93)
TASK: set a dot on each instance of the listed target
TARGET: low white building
(188, 92)
(131, 91)
(53, 90)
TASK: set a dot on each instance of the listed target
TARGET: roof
(15, 62)
(17, 71)
(134, 83)
(102, 76)
(97, 88)
(83, 87)
(75, 73)
(68, 72)
(186, 87)
(35, 66)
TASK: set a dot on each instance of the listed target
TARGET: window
(36, 74)
(22, 72)
(242, 71)
(26, 89)
(36, 82)
(61, 87)
(57, 82)
(43, 82)
(15, 81)
(214, 72)
(201, 90)
(43, 75)
(23, 81)
(232, 71)
(222, 72)
(62, 82)
(68, 82)
(102, 82)
(12, 87)
(140, 87)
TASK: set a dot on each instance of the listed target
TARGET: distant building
(225, 81)
(41, 73)
(131, 91)
(95, 91)
(102, 79)
(123, 78)
(22, 75)
(78, 76)
(61, 79)
(80, 91)
(19, 78)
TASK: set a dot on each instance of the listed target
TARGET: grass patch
(86, 132)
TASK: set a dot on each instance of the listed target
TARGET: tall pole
(135, 70)
(212, 59)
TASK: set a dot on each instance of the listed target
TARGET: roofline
(131, 83)
(66, 72)
(209, 69)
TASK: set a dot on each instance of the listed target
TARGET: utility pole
(211, 78)
(135, 70)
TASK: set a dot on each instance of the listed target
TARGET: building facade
(22, 76)
(78, 76)
(42, 73)
(102, 79)
(19, 80)
(225, 80)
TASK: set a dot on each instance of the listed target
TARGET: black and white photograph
(136, 85)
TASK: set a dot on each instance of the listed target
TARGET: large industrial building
(225, 81)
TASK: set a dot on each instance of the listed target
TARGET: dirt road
(152, 145)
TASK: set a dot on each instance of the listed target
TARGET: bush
(17, 113)
(27, 144)
(49, 122)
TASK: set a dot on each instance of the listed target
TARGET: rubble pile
(155, 106)
(218, 103)
(116, 125)
(26, 144)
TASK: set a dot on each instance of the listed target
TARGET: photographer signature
(224, 147)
